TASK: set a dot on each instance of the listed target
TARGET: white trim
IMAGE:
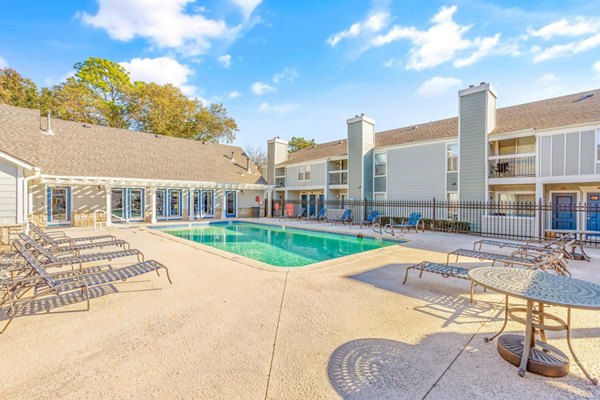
(413, 144)
(20, 192)
(517, 180)
(88, 180)
(567, 129)
(523, 155)
(16, 161)
(494, 137)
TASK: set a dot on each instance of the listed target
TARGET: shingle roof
(543, 114)
(78, 149)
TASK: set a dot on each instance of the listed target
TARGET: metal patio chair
(59, 241)
(413, 223)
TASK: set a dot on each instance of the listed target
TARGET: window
(516, 204)
(452, 198)
(381, 164)
(304, 173)
(207, 202)
(452, 157)
(59, 205)
(161, 211)
(379, 197)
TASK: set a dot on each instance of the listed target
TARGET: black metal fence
(513, 220)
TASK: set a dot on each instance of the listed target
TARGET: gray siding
(355, 160)
(568, 154)
(558, 155)
(417, 172)
(546, 159)
(473, 146)
(8, 193)
(452, 182)
(248, 198)
(572, 153)
(588, 153)
(317, 175)
(368, 144)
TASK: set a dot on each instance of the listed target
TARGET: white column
(191, 204)
(539, 194)
(268, 199)
(108, 205)
(153, 205)
(223, 204)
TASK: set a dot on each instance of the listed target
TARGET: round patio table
(542, 288)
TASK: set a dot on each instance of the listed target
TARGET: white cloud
(247, 6)
(288, 74)
(234, 94)
(567, 49)
(442, 42)
(167, 24)
(547, 78)
(161, 70)
(596, 68)
(225, 60)
(277, 108)
(391, 63)
(372, 24)
(260, 88)
(437, 86)
(576, 27)
(3, 63)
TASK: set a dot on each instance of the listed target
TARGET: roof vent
(86, 126)
(584, 97)
(481, 83)
(49, 124)
(470, 86)
(232, 159)
(157, 136)
(414, 127)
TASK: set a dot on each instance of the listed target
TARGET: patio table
(579, 235)
(543, 288)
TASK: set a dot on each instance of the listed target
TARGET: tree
(257, 155)
(165, 110)
(16, 90)
(299, 143)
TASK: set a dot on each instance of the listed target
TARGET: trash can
(255, 212)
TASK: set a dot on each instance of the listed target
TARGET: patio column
(223, 204)
(268, 199)
(153, 205)
(108, 205)
(539, 194)
(191, 204)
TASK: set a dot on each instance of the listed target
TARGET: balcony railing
(338, 177)
(279, 181)
(511, 167)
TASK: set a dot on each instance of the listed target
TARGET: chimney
(277, 153)
(361, 140)
(477, 116)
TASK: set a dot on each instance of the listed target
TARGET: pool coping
(262, 265)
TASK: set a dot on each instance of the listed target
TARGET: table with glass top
(543, 289)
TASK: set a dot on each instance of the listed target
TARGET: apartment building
(547, 150)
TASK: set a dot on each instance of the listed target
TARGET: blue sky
(289, 68)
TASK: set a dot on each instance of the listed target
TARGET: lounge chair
(445, 270)
(345, 218)
(43, 283)
(65, 243)
(372, 219)
(412, 223)
(560, 244)
(540, 261)
(318, 217)
(59, 259)
(300, 214)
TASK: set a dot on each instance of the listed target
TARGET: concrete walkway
(227, 330)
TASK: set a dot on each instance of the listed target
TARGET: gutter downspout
(37, 174)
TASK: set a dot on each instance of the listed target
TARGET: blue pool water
(274, 245)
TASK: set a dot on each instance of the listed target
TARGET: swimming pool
(275, 245)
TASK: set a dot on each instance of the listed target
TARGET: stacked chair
(39, 267)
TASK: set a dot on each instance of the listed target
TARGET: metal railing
(511, 220)
(338, 178)
(511, 167)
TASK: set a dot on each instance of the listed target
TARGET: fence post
(365, 210)
(540, 215)
(433, 215)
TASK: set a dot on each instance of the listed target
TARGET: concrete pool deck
(225, 330)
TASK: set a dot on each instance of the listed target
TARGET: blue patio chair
(318, 217)
(372, 218)
(345, 218)
(412, 223)
(300, 214)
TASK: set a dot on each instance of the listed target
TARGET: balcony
(338, 177)
(512, 167)
(279, 181)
